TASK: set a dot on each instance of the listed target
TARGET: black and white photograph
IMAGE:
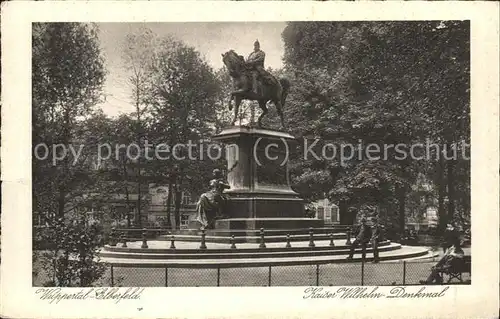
(163, 153)
(329, 156)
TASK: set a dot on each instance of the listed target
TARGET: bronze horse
(272, 90)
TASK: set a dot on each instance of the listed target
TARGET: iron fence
(408, 272)
(336, 274)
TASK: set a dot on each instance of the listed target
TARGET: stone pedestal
(258, 173)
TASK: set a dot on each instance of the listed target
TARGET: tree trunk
(178, 197)
(65, 182)
(441, 194)
(138, 132)
(127, 205)
(169, 204)
(344, 218)
(451, 190)
(466, 207)
(61, 202)
(139, 218)
(127, 196)
(401, 193)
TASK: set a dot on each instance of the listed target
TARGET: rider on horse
(246, 76)
(255, 63)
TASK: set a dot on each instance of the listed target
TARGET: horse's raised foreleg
(234, 95)
(262, 105)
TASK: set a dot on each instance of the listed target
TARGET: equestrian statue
(252, 82)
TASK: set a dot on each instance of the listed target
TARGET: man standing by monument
(375, 239)
(362, 239)
(255, 62)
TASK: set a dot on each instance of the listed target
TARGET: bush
(72, 258)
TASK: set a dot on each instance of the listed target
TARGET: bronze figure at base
(210, 206)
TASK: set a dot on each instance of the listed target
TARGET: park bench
(456, 270)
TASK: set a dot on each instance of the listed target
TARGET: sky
(209, 38)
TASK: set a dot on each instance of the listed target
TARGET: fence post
(311, 237)
(218, 275)
(348, 241)
(404, 272)
(172, 242)
(317, 274)
(112, 276)
(232, 240)
(269, 277)
(203, 245)
(144, 240)
(331, 240)
(362, 272)
(166, 276)
(124, 240)
(262, 240)
(288, 244)
(112, 237)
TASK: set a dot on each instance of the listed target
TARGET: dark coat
(364, 234)
(376, 233)
(450, 237)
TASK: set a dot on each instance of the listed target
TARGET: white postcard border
(18, 298)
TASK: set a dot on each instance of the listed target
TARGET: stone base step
(403, 253)
(431, 256)
(278, 252)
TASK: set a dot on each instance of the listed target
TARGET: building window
(328, 213)
(186, 199)
(335, 214)
(184, 220)
(320, 212)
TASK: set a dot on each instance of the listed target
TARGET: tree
(138, 55)
(116, 168)
(223, 116)
(67, 78)
(374, 83)
(182, 94)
